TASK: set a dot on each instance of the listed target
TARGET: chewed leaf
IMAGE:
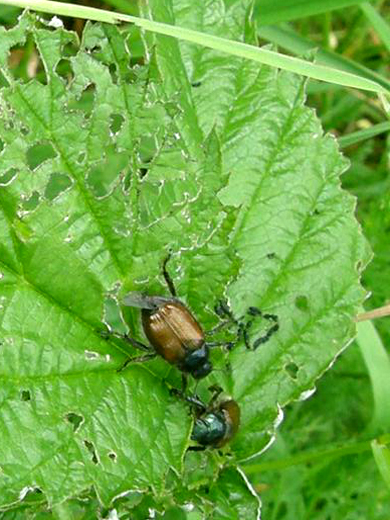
(104, 170)
(300, 248)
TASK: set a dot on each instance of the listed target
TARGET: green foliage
(339, 484)
(317, 468)
(368, 179)
(104, 169)
(270, 12)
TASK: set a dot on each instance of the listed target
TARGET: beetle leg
(217, 390)
(226, 344)
(135, 343)
(223, 310)
(108, 334)
(263, 339)
(254, 311)
(137, 359)
(167, 277)
(244, 332)
(196, 402)
(196, 448)
(218, 327)
(191, 399)
(273, 318)
(105, 334)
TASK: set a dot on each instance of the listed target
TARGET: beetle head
(202, 370)
(197, 362)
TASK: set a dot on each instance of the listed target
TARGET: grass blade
(362, 135)
(378, 366)
(270, 12)
(291, 41)
(382, 458)
(379, 24)
(267, 57)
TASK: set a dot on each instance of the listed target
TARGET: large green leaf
(321, 465)
(106, 168)
(300, 247)
(61, 256)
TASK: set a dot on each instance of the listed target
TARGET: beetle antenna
(166, 275)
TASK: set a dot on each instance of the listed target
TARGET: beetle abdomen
(233, 415)
(172, 331)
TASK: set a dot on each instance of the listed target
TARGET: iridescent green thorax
(218, 426)
(210, 430)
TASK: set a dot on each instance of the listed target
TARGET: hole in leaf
(32, 202)
(91, 356)
(291, 369)
(91, 448)
(316, 212)
(116, 123)
(8, 177)
(64, 70)
(270, 256)
(112, 455)
(1, 145)
(196, 84)
(133, 74)
(25, 395)
(24, 130)
(29, 490)
(302, 303)
(102, 177)
(38, 153)
(58, 183)
(95, 49)
(75, 420)
(25, 63)
(69, 50)
(85, 101)
(113, 73)
(81, 157)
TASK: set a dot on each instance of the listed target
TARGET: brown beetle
(175, 334)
